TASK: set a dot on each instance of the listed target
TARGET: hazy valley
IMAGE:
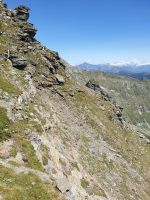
(133, 70)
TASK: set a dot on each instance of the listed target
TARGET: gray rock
(29, 29)
(60, 78)
(63, 185)
(148, 141)
(119, 113)
(44, 84)
(62, 63)
(18, 62)
(3, 56)
(21, 13)
(24, 37)
(72, 93)
(96, 87)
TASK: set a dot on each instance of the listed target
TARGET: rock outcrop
(18, 61)
(28, 30)
(118, 110)
(19, 57)
(96, 87)
(21, 13)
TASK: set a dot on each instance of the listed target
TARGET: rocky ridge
(57, 139)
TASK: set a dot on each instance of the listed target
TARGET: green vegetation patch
(45, 154)
(3, 41)
(13, 152)
(84, 183)
(98, 191)
(14, 163)
(8, 87)
(75, 165)
(25, 187)
(29, 151)
(4, 122)
(19, 127)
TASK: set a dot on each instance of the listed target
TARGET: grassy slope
(25, 186)
(133, 152)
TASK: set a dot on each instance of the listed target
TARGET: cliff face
(58, 138)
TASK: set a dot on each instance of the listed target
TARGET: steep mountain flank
(60, 139)
(131, 94)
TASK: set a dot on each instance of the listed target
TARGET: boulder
(21, 13)
(60, 78)
(63, 185)
(28, 29)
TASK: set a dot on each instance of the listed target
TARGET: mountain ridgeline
(62, 135)
(131, 70)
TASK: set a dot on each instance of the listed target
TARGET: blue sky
(97, 31)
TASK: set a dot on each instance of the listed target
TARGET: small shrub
(4, 122)
(98, 191)
(84, 183)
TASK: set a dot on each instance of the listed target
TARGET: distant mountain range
(132, 69)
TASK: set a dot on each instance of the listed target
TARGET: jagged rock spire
(22, 13)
